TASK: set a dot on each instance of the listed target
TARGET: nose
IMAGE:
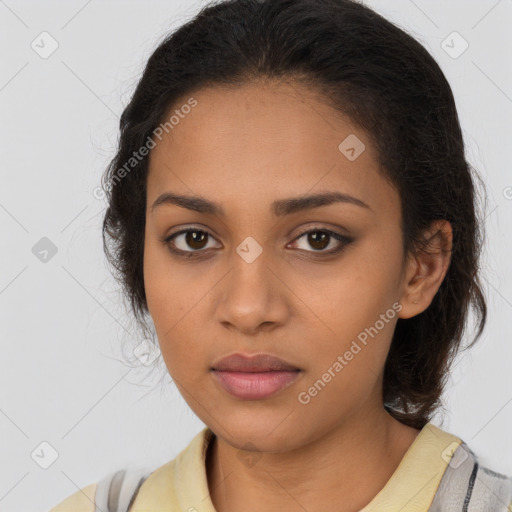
(252, 296)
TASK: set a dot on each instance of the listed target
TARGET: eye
(320, 239)
(197, 239)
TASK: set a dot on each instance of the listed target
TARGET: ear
(426, 269)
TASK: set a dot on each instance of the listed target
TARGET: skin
(244, 148)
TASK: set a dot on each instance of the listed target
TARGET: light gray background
(63, 378)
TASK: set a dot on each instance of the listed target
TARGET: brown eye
(320, 239)
(192, 242)
(196, 239)
(188, 241)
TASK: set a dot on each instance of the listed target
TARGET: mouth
(255, 385)
(252, 364)
(254, 377)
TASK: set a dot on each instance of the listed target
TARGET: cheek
(156, 280)
(160, 284)
(167, 283)
(352, 294)
(357, 303)
(373, 277)
(175, 296)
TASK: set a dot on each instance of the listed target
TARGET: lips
(254, 363)
(254, 377)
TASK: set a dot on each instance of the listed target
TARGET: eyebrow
(280, 207)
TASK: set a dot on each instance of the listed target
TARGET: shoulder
(80, 501)
(117, 491)
(466, 481)
(181, 481)
(159, 489)
(113, 493)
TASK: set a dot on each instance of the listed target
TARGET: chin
(272, 432)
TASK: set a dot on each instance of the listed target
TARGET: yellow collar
(414, 483)
(181, 484)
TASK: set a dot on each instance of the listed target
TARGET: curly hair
(387, 83)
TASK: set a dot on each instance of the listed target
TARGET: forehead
(263, 140)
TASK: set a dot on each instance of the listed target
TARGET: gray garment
(467, 486)
(117, 491)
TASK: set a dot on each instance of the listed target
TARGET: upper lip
(252, 363)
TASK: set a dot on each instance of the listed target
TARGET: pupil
(192, 238)
(313, 240)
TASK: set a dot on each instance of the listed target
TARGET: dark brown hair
(388, 84)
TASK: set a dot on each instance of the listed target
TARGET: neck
(342, 470)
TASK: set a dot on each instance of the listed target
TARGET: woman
(291, 205)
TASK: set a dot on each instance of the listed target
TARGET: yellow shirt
(181, 484)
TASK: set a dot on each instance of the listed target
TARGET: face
(319, 288)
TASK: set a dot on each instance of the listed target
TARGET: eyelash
(344, 242)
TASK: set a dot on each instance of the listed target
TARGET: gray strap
(102, 490)
(130, 487)
(491, 491)
(117, 491)
(114, 492)
(468, 487)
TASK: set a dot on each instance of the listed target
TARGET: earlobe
(427, 269)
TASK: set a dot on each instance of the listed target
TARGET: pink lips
(254, 377)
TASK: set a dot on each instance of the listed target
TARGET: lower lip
(254, 386)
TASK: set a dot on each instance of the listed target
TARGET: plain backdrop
(68, 400)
